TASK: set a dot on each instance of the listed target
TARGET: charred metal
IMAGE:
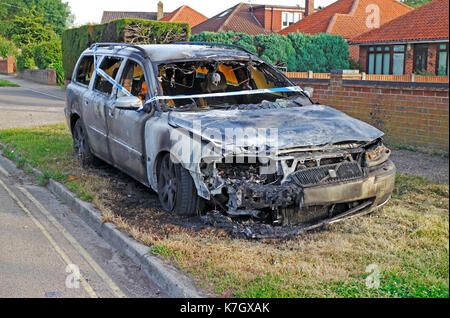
(216, 132)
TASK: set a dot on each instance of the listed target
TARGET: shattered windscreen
(206, 77)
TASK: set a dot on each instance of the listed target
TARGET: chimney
(160, 14)
(309, 7)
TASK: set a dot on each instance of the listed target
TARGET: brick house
(416, 42)
(252, 19)
(349, 18)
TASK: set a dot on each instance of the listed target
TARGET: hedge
(76, 40)
(299, 52)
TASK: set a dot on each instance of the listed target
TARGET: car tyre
(81, 147)
(176, 189)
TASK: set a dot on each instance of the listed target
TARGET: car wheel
(81, 146)
(176, 189)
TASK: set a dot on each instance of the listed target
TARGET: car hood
(314, 125)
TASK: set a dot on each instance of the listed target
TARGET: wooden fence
(373, 77)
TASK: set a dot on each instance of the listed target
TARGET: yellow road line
(65, 258)
(2, 170)
(114, 288)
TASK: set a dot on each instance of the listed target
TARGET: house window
(420, 58)
(288, 18)
(442, 60)
(386, 59)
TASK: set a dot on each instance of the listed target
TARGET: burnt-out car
(211, 127)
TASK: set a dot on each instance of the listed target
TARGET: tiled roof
(185, 14)
(109, 16)
(236, 19)
(429, 22)
(347, 18)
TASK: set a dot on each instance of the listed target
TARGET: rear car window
(111, 66)
(85, 70)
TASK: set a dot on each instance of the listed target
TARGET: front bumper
(317, 202)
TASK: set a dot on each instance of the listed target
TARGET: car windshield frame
(254, 60)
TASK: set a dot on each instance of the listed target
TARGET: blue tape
(290, 89)
(107, 77)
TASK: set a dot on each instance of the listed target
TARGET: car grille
(327, 174)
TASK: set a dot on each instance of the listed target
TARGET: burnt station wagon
(210, 126)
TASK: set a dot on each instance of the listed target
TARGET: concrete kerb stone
(168, 278)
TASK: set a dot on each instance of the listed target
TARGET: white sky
(90, 11)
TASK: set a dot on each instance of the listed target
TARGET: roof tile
(431, 21)
(347, 18)
(185, 14)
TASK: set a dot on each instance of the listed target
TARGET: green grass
(408, 239)
(4, 83)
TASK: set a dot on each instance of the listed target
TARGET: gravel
(415, 163)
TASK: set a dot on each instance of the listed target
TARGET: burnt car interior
(203, 77)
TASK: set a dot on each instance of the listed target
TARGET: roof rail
(120, 45)
(217, 44)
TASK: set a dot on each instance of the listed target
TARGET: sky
(90, 11)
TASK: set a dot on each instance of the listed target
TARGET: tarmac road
(30, 104)
(40, 237)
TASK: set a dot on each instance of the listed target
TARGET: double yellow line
(100, 272)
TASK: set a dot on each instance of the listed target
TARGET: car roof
(170, 52)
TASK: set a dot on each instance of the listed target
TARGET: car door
(126, 127)
(95, 102)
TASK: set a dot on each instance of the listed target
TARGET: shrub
(300, 52)
(25, 60)
(229, 37)
(319, 53)
(7, 48)
(274, 48)
(47, 54)
(75, 41)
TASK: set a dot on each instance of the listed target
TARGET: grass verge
(4, 83)
(405, 244)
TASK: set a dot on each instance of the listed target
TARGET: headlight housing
(377, 154)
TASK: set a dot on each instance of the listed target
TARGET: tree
(415, 3)
(55, 13)
(29, 28)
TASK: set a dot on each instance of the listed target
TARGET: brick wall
(408, 113)
(47, 77)
(271, 18)
(7, 65)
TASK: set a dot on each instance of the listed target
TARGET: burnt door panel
(95, 122)
(126, 127)
(126, 141)
(95, 103)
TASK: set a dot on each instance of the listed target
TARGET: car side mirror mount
(128, 103)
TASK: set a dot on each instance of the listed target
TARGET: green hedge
(75, 41)
(299, 52)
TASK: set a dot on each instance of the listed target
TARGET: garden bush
(299, 52)
(25, 60)
(47, 54)
(7, 48)
(135, 31)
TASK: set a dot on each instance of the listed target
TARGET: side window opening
(85, 70)
(133, 80)
(111, 66)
